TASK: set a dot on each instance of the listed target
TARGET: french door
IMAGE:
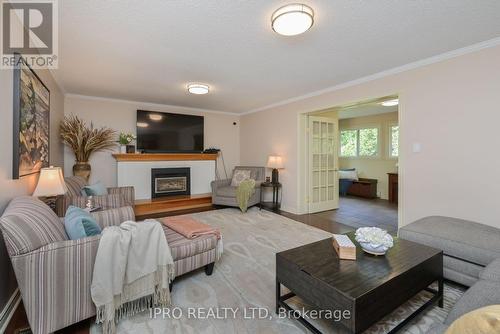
(323, 164)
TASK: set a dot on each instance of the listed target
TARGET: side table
(277, 195)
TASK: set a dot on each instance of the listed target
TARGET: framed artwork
(31, 122)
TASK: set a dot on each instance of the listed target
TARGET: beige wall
(376, 167)
(121, 116)
(10, 188)
(460, 95)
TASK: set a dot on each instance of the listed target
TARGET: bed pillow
(95, 189)
(239, 176)
(80, 224)
(348, 175)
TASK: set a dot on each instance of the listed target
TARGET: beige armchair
(224, 194)
(53, 273)
(117, 197)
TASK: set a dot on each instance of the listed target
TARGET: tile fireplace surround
(135, 170)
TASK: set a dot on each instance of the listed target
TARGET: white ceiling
(149, 50)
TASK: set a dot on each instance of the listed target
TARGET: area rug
(239, 297)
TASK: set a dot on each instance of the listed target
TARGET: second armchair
(225, 194)
(117, 196)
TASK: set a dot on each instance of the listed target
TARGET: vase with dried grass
(84, 140)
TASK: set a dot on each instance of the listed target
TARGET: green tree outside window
(359, 142)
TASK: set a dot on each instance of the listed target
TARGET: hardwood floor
(359, 212)
(352, 213)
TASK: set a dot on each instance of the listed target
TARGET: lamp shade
(50, 183)
(275, 162)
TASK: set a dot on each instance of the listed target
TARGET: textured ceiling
(149, 50)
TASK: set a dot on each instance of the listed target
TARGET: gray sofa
(224, 194)
(485, 292)
(467, 246)
(471, 258)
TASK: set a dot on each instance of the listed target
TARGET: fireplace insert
(170, 181)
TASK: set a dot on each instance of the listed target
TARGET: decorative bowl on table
(374, 240)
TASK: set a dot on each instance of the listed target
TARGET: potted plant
(84, 140)
(124, 139)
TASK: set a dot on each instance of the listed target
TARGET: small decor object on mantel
(374, 240)
(125, 139)
(84, 140)
(345, 248)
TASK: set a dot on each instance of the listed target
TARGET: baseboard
(290, 209)
(9, 310)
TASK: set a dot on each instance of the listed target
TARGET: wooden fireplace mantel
(164, 156)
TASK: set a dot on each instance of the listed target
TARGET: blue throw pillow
(95, 189)
(80, 224)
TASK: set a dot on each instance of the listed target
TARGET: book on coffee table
(345, 248)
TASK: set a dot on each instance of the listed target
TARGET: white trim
(389, 141)
(9, 310)
(149, 104)
(290, 209)
(401, 161)
(411, 66)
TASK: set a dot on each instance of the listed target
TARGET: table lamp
(50, 185)
(275, 162)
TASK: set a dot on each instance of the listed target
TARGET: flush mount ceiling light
(390, 103)
(198, 89)
(293, 19)
(155, 117)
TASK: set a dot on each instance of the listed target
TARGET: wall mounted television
(159, 132)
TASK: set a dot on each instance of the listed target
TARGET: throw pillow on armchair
(239, 176)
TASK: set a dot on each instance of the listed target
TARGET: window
(359, 142)
(349, 143)
(394, 144)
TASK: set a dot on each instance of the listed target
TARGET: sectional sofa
(471, 258)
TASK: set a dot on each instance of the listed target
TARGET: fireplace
(170, 182)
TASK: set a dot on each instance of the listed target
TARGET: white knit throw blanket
(132, 271)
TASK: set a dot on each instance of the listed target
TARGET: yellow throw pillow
(485, 320)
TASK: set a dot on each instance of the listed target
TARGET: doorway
(351, 155)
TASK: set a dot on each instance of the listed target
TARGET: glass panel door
(323, 164)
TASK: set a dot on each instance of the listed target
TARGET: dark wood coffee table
(369, 288)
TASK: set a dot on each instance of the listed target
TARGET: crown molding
(57, 81)
(149, 104)
(396, 70)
